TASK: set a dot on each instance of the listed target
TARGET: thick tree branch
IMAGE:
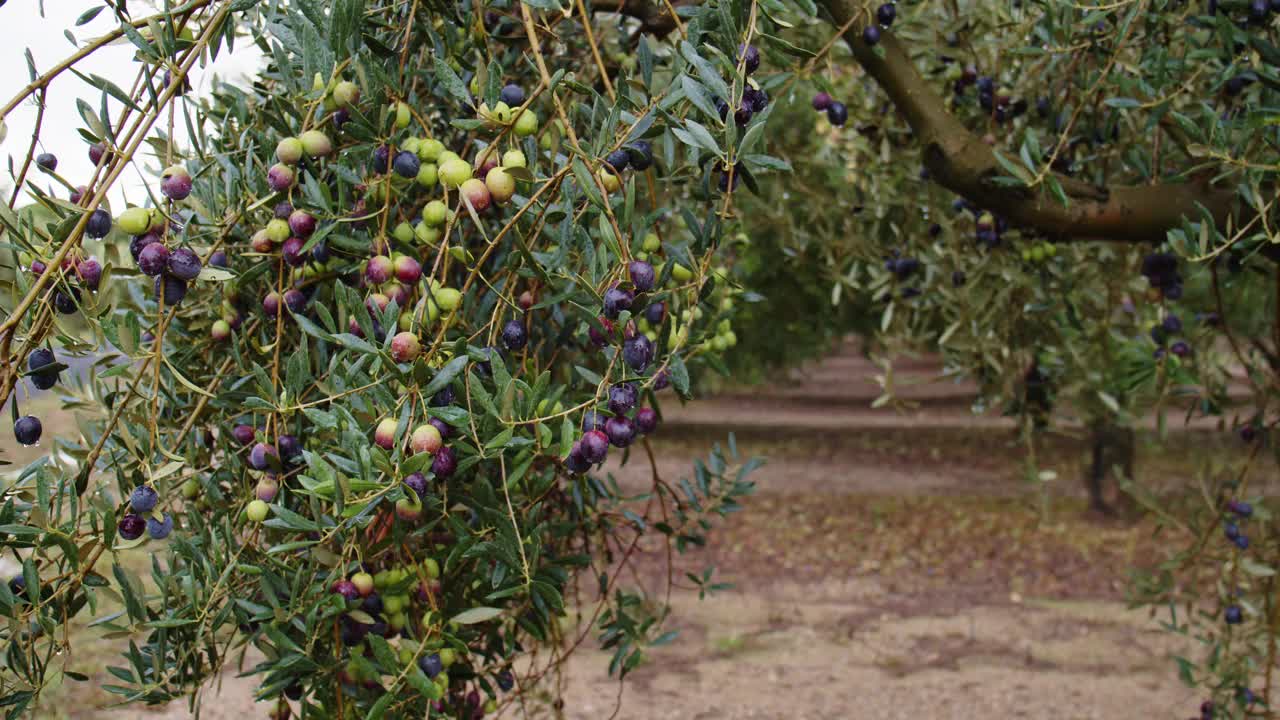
(655, 18)
(963, 163)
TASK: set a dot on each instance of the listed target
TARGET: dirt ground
(892, 568)
(844, 648)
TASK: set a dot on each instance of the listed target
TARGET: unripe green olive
(278, 230)
(514, 158)
(289, 150)
(449, 299)
(134, 221)
(527, 123)
(453, 172)
(610, 180)
(430, 149)
(346, 94)
(257, 511)
(435, 213)
(426, 234)
(315, 143)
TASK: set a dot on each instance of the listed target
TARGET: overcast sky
(22, 27)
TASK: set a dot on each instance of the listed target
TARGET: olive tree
(360, 354)
(1073, 205)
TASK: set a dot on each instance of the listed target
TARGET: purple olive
(184, 263)
(444, 463)
(575, 462)
(417, 482)
(160, 529)
(292, 252)
(621, 431)
(176, 186)
(139, 242)
(131, 526)
(90, 272)
(302, 223)
(514, 336)
(655, 313)
(646, 420)
(615, 301)
(623, 397)
(243, 434)
(290, 448)
(154, 259)
(174, 289)
(751, 58)
(592, 420)
(259, 456)
(295, 300)
(595, 446)
(642, 275)
(638, 352)
(445, 429)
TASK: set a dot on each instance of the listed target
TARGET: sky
(22, 27)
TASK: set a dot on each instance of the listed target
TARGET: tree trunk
(1111, 455)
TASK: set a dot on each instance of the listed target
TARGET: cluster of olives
(1039, 252)
(988, 229)
(85, 271)
(142, 516)
(172, 269)
(1161, 334)
(1161, 270)
(620, 428)
(379, 604)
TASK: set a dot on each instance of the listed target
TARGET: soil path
(841, 650)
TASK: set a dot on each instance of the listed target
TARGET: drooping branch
(963, 163)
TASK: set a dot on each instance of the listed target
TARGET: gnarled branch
(963, 163)
(654, 16)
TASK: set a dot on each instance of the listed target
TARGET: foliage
(1114, 166)
(1046, 314)
(281, 408)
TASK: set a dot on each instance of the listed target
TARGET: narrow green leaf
(476, 615)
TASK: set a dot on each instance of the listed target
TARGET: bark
(1111, 452)
(655, 18)
(963, 163)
